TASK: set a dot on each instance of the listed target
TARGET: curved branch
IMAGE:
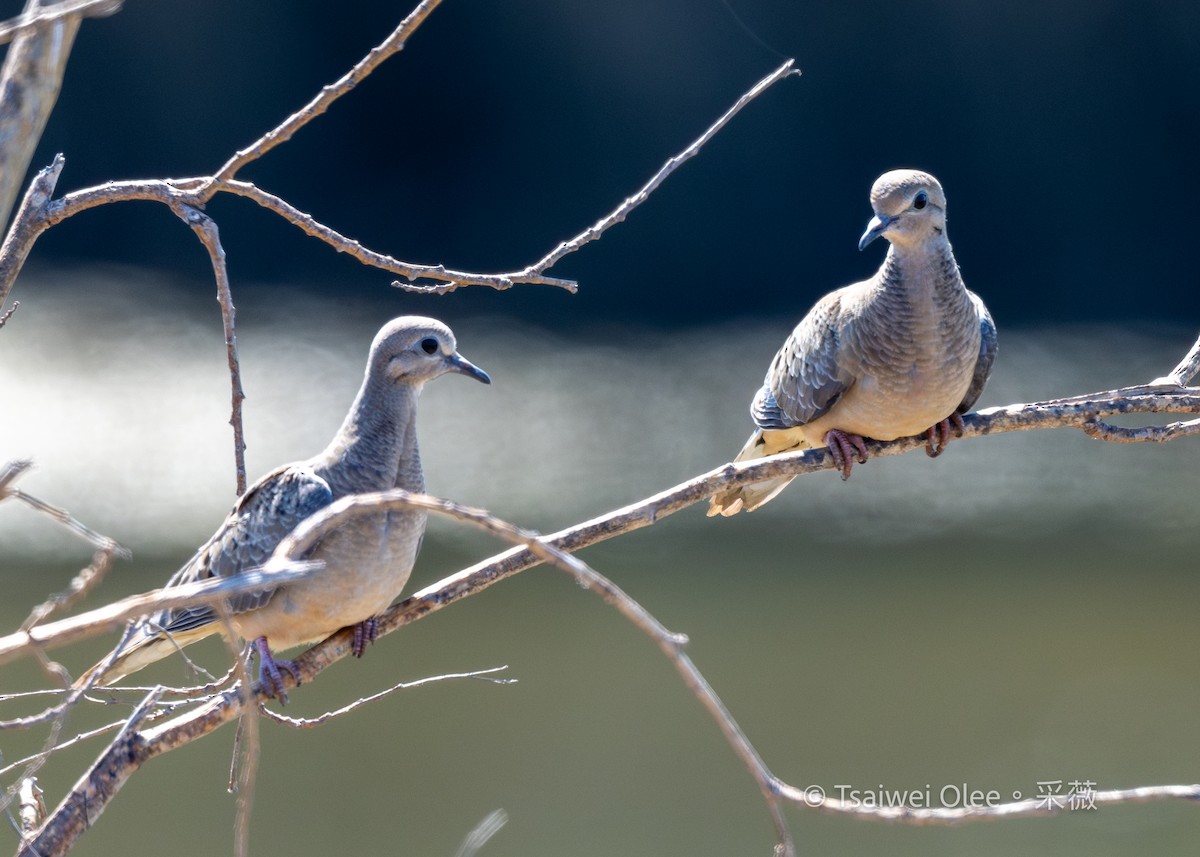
(29, 83)
(206, 230)
(133, 748)
(938, 815)
(310, 226)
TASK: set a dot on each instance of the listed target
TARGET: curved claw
(843, 448)
(937, 436)
(269, 674)
(365, 633)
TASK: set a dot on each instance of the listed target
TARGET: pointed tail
(750, 497)
(145, 648)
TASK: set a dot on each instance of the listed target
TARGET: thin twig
(319, 104)
(82, 736)
(83, 583)
(618, 214)
(8, 313)
(65, 518)
(206, 230)
(485, 830)
(307, 224)
(311, 722)
(1187, 369)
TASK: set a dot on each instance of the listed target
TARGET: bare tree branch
(27, 226)
(312, 722)
(206, 230)
(29, 86)
(40, 16)
(187, 197)
(101, 783)
(1039, 806)
(623, 210)
(310, 226)
(1187, 369)
(329, 94)
(111, 616)
(485, 830)
(13, 470)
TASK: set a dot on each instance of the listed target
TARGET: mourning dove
(365, 563)
(903, 353)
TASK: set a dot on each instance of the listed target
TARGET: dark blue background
(1064, 133)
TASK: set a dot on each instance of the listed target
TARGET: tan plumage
(889, 357)
(365, 563)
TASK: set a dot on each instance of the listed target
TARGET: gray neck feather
(376, 447)
(925, 270)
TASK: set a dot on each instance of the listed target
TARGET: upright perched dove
(903, 353)
(365, 563)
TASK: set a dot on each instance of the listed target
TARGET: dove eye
(429, 345)
(920, 201)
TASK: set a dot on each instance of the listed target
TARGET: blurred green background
(1019, 610)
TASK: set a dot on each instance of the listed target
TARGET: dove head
(910, 207)
(412, 350)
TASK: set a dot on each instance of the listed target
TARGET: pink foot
(269, 675)
(937, 436)
(365, 632)
(842, 448)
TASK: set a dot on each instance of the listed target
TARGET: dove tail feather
(749, 497)
(139, 654)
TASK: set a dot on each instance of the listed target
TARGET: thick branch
(1073, 413)
(39, 16)
(110, 616)
(29, 86)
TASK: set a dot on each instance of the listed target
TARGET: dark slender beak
(879, 224)
(463, 366)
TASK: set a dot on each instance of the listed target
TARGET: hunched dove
(366, 562)
(903, 353)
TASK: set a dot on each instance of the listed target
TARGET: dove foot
(365, 633)
(269, 671)
(845, 448)
(937, 436)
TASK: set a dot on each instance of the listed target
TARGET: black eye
(920, 201)
(429, 345)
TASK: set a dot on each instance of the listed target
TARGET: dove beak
(457, 363)
(879, 224)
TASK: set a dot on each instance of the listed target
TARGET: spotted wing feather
(260, 519)
(805, 379)
(987, 354)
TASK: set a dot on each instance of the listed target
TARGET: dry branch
(110, 616)
(29, 87)
(187, 197)
(40, 15)
(206, 230)
(329, 94)
(536, 271)
(134, 747)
